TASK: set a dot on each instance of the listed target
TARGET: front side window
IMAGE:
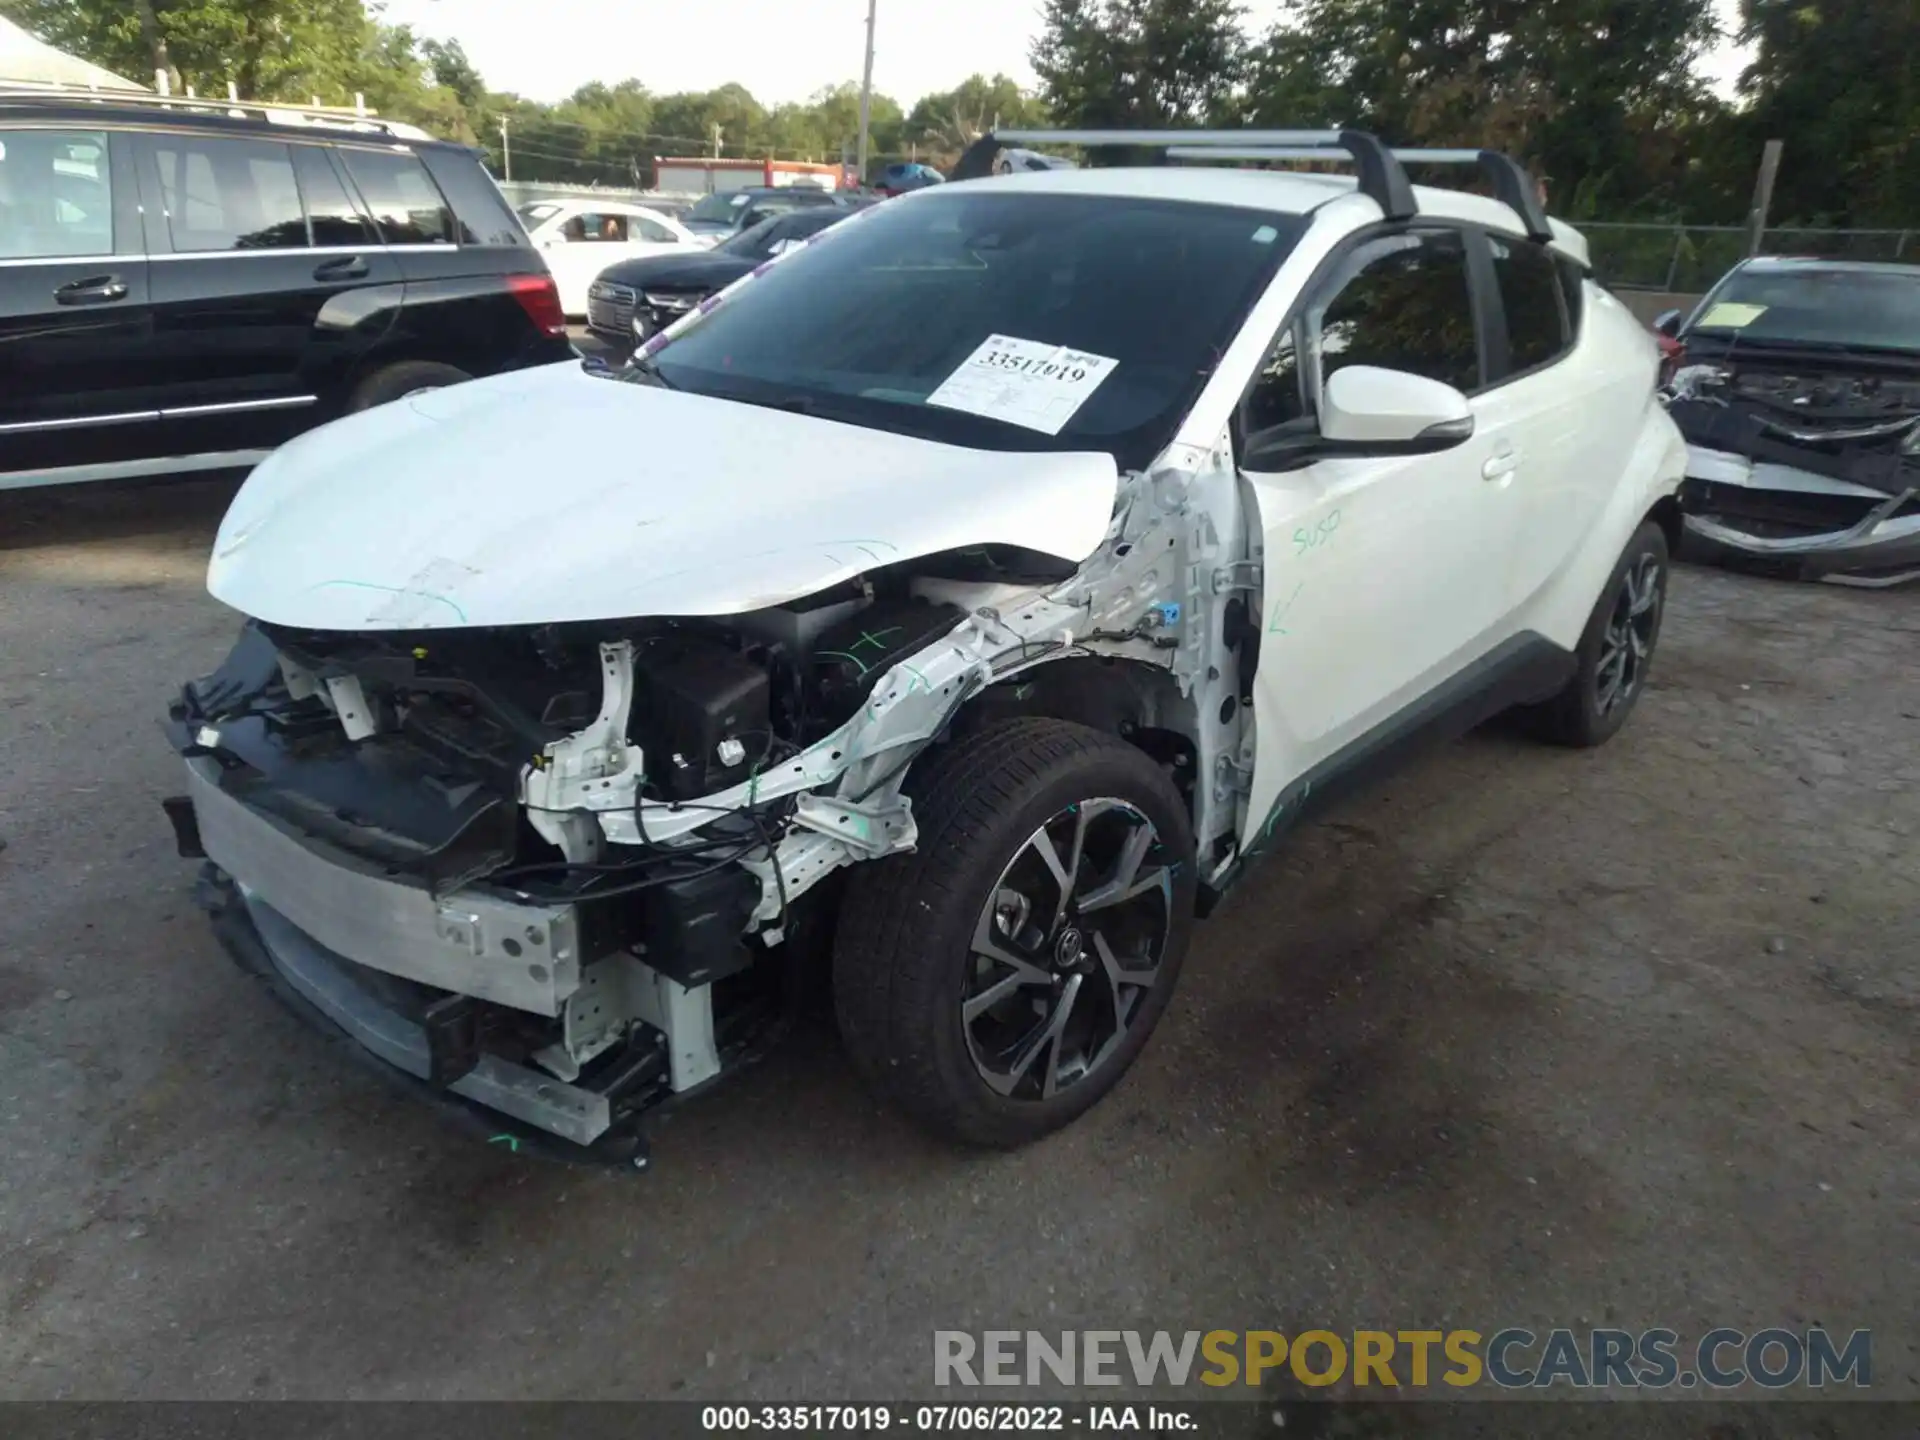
(406, 204)
(1406, 305)
(1530, 293)
(221, 194)
(866, 328)
(1401, 303)
(56, 197)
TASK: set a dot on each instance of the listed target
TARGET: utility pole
(506, 150)
(1763, 193)
(866, 93)
(716, 139)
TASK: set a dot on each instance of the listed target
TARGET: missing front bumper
(1813, 534)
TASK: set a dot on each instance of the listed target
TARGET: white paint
(1024, 382)
(1368, 405)
(550, 495)
(577, 263)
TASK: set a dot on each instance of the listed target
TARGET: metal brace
(1230, 778)
(875, 829)
(1240, 575)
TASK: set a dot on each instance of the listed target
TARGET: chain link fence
(1689, 258)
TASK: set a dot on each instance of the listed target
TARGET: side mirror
(1667, 323)
(1368, 410)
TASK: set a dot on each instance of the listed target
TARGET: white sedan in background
(580, 238)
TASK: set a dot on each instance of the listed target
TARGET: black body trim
(1523, 670)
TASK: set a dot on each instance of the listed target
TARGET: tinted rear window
(1530, 294)
(1868, 308)
(479, 209)
(229, 194)
(334, 219)
(406, 204)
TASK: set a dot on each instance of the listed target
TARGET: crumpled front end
(1813, 473)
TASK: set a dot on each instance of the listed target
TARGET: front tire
(1616, 649)
(999, 980)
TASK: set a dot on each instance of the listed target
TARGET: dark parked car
(183, 287)
(634, 298)
(1797, 385)
(733, 211)
(899, 178)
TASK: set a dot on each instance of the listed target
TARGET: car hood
(554, 495)
(695, 268)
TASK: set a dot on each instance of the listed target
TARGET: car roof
(1790, 264)
(1293, 192)
(214, 120)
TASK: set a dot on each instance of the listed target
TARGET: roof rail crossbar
(1380, 175)
(331, 115)
(1511, 183)
(1512, 186)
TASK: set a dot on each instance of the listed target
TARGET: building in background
(699, 175)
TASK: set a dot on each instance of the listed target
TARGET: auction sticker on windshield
(1024, 382)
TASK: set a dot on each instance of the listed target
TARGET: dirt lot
(1527, 1037)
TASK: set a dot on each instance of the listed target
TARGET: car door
(580, 248)
(255, 320)
(78, 377)
(1542, 397)
(1382, 573)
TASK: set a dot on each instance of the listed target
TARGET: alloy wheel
(1066, 948)
(1626, 646)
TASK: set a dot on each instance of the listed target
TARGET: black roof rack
(1382, 175)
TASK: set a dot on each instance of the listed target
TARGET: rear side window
(331, 213)
(480, 212)
(1530, 293)
(55, 195)
(221, 194)
(407, 206)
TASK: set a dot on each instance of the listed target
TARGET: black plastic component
(453, 1038)
(186, 827)
(851, 656)
(693, 926)
(1380, 175)
(692, 693)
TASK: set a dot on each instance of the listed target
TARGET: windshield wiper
(645, 370)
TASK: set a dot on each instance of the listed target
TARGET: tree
(1837, 81)
(1600, 96)
(950, 120)
(1117, 63)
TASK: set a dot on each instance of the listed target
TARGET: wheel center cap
(1070, 949)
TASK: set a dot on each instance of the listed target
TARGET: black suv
(636, 298)
(184, 285)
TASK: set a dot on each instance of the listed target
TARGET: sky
(779, 49)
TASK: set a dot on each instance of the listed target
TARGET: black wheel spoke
(1057, 980)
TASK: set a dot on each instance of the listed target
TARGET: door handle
(1502, 463)
(95, 290)
(347, 267)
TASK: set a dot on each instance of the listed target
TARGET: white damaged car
(959, 602)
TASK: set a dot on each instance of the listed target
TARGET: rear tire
(396, 382)
(974, 990)
(1616, 649)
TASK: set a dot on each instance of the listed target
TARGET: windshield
(716, 208)
(1869, 309)
(866, 326)
(751, 243)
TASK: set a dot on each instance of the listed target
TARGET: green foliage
(1838, 82)
(1139, 62)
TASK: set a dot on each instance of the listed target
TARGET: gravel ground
(1525, 1037)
